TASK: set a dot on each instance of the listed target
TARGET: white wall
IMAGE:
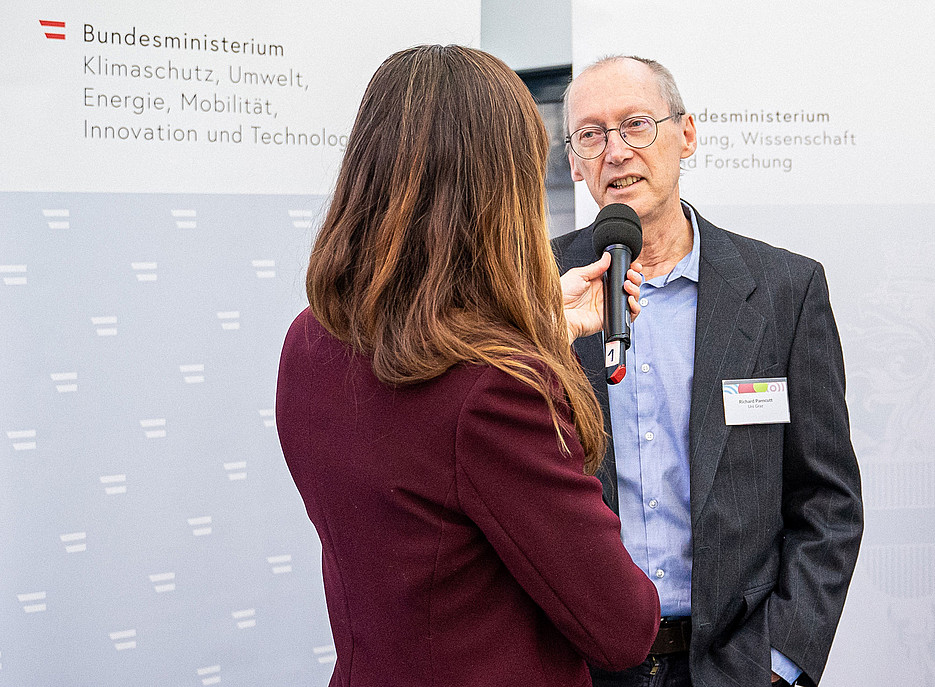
(527, 34)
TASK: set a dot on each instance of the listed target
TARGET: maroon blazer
(459, 545)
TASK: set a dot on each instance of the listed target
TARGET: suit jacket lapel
(728, 333)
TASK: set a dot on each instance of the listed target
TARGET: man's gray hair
(665, 80)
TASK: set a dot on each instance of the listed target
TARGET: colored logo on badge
(755, 387)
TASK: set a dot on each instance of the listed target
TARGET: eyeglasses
(637, 132)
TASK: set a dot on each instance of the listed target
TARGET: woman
(430, 408)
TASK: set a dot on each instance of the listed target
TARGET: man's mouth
(626, 181)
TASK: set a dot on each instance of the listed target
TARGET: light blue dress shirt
(649, 412)
(649, 415)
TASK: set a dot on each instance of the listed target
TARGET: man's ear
(573, 163)
(689, 137)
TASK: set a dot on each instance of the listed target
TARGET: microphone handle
(616, 314)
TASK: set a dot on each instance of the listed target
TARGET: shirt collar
(688, 266)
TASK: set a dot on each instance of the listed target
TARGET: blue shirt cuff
(783, 667)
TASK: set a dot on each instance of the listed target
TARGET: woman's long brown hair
(435, 251)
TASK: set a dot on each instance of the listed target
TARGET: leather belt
(673, 637)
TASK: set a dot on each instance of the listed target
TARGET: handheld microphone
(617, 230)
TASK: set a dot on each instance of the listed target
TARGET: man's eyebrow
(598, 122)
(625, 113)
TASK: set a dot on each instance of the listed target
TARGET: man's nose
(617, 150)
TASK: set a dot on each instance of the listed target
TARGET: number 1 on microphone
(615, 367)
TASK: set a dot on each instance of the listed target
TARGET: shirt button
(660, 573)
(653, 503)
(649, 436)
(645, 367)
(644, 302)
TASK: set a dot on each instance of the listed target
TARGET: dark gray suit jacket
(776, 509)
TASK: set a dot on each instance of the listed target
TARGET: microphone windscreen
(618, 224)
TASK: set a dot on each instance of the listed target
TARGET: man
(750, 531)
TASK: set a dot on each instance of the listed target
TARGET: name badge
(755, 401)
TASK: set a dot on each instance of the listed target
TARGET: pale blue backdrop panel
(151, 532)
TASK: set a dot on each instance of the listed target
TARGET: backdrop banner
(812, 130)
(165, 166)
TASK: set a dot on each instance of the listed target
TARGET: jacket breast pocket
(766, 369)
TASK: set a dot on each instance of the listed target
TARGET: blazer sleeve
(822, 510)
(548, 523)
